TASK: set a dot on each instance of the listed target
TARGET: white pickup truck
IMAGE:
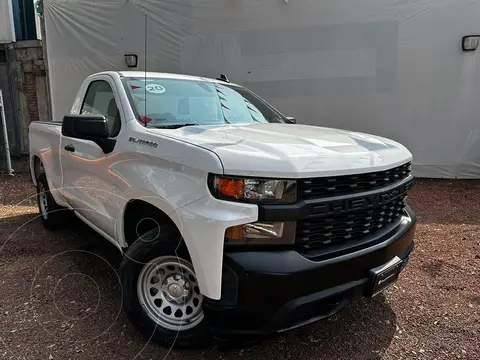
(233, 220)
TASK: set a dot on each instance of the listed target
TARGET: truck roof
(160, 75)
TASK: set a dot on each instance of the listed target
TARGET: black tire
(151, 245)
(53, 216)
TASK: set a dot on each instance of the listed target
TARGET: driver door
(86, 179)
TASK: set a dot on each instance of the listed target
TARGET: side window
(99, 100)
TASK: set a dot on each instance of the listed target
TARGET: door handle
(70, 148)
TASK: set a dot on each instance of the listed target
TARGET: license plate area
(383, 276)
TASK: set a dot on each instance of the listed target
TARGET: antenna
(145, 83)
(223, 77)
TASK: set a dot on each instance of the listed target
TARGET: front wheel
(160, 290)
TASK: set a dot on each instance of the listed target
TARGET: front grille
(354, 210)
(337, 229)
(349, 184)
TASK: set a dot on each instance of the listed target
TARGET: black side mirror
(291, 120)
(88, 127)
(85, 126)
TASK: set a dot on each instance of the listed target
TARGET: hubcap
(168, 291)
(43, 202)
(176, 288)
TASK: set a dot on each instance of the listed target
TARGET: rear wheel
(52, 214)
(160, 290)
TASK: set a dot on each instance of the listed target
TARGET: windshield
(161, 102)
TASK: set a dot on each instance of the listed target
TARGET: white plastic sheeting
(7, 30)
(388, 67)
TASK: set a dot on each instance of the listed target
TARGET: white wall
(7, 31)
(37, 21)
(388, 67)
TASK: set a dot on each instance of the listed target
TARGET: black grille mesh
(318, 232)
(352, 227)
(348, 184)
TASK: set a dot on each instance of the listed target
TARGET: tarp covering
(7, 30)
(387, 67)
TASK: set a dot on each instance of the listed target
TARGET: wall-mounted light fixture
(131, 60)
(470, 42)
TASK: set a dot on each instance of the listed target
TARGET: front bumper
(268, 292)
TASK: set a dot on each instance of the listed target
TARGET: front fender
(203, 224)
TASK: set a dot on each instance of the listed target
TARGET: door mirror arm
(106, 145)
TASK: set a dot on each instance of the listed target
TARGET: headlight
(261, 233)
(253, 190)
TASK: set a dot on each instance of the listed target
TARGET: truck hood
(292, 151)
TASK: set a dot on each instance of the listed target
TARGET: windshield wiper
(174, 126)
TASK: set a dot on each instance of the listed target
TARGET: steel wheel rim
(168, 291)
(43, 202)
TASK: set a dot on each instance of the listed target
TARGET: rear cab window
(99, 100)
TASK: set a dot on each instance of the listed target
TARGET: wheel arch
(139, 216)
(140, 207)
(36, 166)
